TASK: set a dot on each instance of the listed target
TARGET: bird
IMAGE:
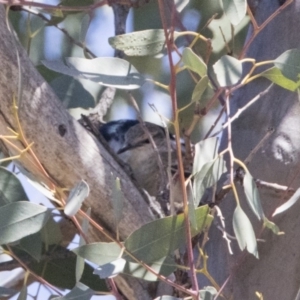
(146, 156)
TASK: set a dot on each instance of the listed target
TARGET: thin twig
(172, 88)
(39, 278)
(242, 109)
(258, 146)
(257, 29)
(64, 31)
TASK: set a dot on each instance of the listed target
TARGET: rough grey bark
(66, 150)
(277, 272)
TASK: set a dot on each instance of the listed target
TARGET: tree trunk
(276, 274)
(65, 149)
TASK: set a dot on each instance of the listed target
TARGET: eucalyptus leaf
(79, 267)
(285, 206)
(244, 231)
(164, 266)
(235, 10)
(107, 71)
(161, 237)
(272, 226)
(59, 270)
(181, 4)
(111, 269)
(80, 291)
(205, 151)
(75, 4)
(50, 233)
(44, 190)
(140, 43)
(32, 244)
(99, 253)
(208, 176)
(20, 219)
(23, 293)
(275, 75)
(76, 197)
(289, 64)
(252, 196)
(193, 62)
(191, 206)
(85, 23)
(79, 260)
(228, 70)
(200, 89)
(73, 93)
(11, 189)
(208, 293)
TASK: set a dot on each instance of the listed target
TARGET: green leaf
(57, 17)
(111, 269)
(191, 207)
(76, 197)
(181, 4)
(294, 199)
(140, 43)
(200, 89)
(272, 226)
(164, 266)
(205, 170)
(79, 260)
(50, 233)
(208, 176)
(252, 196)
(235, 10)
(205, 151)
(289, 64)
(193, 62)
(107, 71)
(99, 253)
(72, 92)
(11, 189)
(48, 74)
(32, 244)
(228, 70)
(161, 237)
(23, 293)
(59, 270)
(75, 3)
(85, 24)
(275, 75)
(208, 293)
(80, 291)
(20, 219)
(244, 232)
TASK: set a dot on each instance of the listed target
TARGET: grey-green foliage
(11, 190)
(107, 71)
(20, 219)
(228, 70)
(289, 64)
(146, 245)
(141, 43)
(244, 232)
